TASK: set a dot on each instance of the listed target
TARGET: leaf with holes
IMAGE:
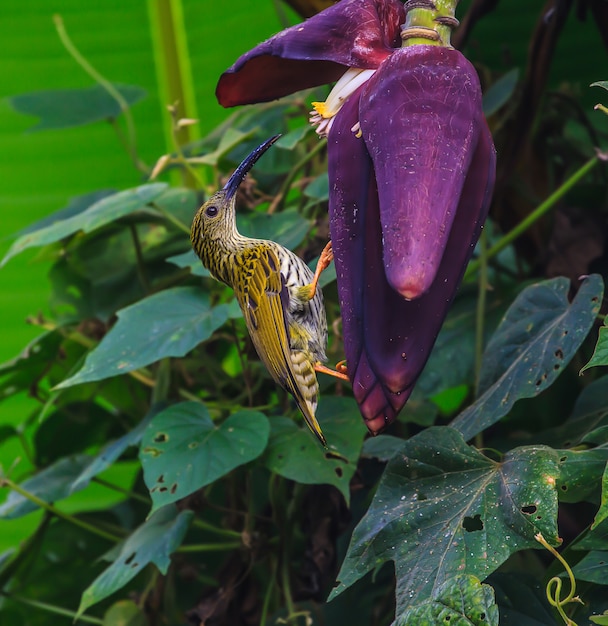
(536, 339)
(459, 600)
(293, 452)
(592, 568)
(600, 354)
(182, 449)
(169, 323)
(50, 485)
(442, 508)
(153, 542)
(581, 473)
(104, 211)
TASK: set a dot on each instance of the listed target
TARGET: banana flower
(411, 172)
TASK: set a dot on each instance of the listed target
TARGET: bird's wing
(264, 300)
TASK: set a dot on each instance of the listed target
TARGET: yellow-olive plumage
(273, 287)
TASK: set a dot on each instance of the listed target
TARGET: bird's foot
(339, 372)
(327, 256)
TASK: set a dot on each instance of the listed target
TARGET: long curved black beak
(241, 171)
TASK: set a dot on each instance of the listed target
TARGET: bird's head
(216, 218)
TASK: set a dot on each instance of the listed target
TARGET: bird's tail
(306, 391)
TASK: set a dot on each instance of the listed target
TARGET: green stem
(429, 25)
(222, 532)
(173, 70)
(7, 482)
(140, 266)
(269, 589)
(480, 319)
(211, 547)
(108, 86)
(556, 584)
(51, 608)
(543, 208)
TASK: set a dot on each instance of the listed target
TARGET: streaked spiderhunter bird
(277, 293)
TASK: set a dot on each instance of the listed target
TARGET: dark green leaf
(521, 599)
(294, 453)
(86, 422)
(51, 484)
(581, 474)
(169, 323)
(500, 92)
(101, 212)
(602, 514)
(65, 108)
(287, 228)
(382, 447)
(442, 508)
(459, 601)
(25, 370)
(152, 542)
(600, 354)
(318, 189)
(76, 205)
(189, 259)
(291, 139)
(182, 449)
(125, 613)
(593, 568)
(536, 339)
(110, 453)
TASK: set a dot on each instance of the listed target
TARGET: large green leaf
(442, 508)
(153, 542)
(593, 568)
(110, 453)
(104, 211)
(459, 601)
(536, 339)
(64, 108)
(600, 354)
(51, 484)
(581, 474)
(294, 453)
(182, 449)
(169, 323)
(287, 228)
(24, 371)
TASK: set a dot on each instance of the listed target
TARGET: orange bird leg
(319, 367)
(327, 256)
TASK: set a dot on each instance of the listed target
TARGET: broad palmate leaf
(537, 338)
(182, 449)
(169, 323)
(442, 508)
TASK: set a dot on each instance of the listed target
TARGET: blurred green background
(42, 170)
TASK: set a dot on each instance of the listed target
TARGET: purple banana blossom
(411, 171)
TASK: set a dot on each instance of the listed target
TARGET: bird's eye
(211, 210)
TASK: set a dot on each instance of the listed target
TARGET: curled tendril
(554, 586)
